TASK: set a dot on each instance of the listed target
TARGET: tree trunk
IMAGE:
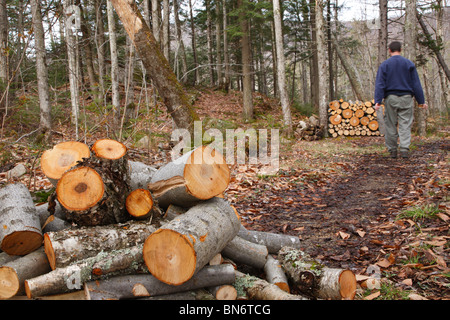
(316, 280)
(209, 41)
(67, 246)
(136, 286)
(226, 55)
(246, 64)
(20, 231)
(3, 57)
(166, 35)
(157, 66)
(194, 45)
(62, 157)
(281, 72)
(322, 61)
(180, 42)
(198, 175)
(383, 32)
(69, 278)
(258, 289)
(218, 44)
(41, 68)
(114, 64)
(14, 273)
(156, 21)
(182, 247)
(100, 40)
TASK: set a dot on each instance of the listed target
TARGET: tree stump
(20, 228)
(94, 191)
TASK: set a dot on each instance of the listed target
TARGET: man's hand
(377, 106)
(423, 106)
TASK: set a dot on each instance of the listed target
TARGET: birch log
(196, 176)
(273, 241)
(71, 278)
(249, 253)
(20, 228)
(275, 273)
(316, 280)
(132, 286)
(14, 273)
(175, 252)
(66, 246)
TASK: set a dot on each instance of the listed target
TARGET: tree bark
(226, 56)
(157, 66)
(20, 231)
(194, 45)
(114, 64)
(180, 42)
(275, 273)
(209, 41)
(198, 175)
(182, 247)
(41, 69)
(140, 174)
(218, 43)
(14, 273)
(383, 32)
(281, 72)
(166, 24)
(66, 246)
(273, 241)
(316, 280)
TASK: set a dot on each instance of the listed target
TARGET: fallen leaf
(384, 263)
(407, 282)
(415, 296)
(344, 235)
(373, 295)
(360, 233)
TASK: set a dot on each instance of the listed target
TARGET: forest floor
(351, 205)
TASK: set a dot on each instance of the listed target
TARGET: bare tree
(41, 68)
(114, 63)
(3, 55)
(246, 64)
(281, 71)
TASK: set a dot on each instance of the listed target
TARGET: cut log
(354, 121)
(66, 246)
(124, 287)
(275, 273)
(71, 278)
(316, 280)
(51, 221)
(223, 292)
(273, 241)
(334, 105)
(109, 149)
(359, 113)
(140, 174)
(364, 121)
(246, 252)
(198, 175)
(336, 119)
(347, 113)
(345, 105)
(20, 228)
(14, 273)
(258, 289)
(5, 258)
(62, 157)
(94, 191)
(175, 252)
(373, 125)
(140, 204)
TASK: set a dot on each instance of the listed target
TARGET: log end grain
(9, 282)
(49, 251)
(63, 156)
(80, 189)
(226, 292)
(139, 203)
(109, 149)
(20, 243)
(206, 173)
(170, 256)
(347, 282)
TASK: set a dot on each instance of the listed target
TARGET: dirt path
(349, 220)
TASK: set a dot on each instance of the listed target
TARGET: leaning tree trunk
(157, 66)
(314, 279)
(94, 191)
(20, 231)
(175, 252)
(198, 175)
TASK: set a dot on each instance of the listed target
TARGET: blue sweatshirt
(398, 76)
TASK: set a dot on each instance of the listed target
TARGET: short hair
(395, 46)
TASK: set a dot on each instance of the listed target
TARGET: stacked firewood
(121, 229)
(348, 118)
(309, 129)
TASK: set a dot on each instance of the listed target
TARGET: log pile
(120, 229)
(309, 129)
(348, 118)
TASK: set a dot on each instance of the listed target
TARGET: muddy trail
(353, 219)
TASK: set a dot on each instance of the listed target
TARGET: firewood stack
(348, 118)
(309, 129)
(120, 229)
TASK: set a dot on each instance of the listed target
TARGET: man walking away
(397, 82)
